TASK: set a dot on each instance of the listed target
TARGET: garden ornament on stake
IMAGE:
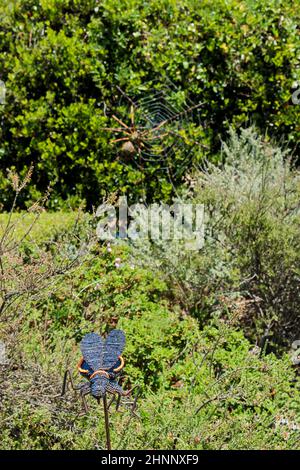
(101, 364)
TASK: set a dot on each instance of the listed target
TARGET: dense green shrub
(61, 60)
(250, 259)
(253, 200)
(100, 293)
(195, 322)
(200, 390)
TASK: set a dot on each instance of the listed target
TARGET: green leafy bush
(249, 262)
(253, 200)
(200, 390)
(61, 61)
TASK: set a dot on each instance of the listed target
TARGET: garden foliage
(61, 61)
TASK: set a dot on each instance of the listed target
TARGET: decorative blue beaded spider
(101, 364)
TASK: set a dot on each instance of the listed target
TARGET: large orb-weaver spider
(137, 140)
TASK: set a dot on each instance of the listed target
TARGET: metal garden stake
(101, 364)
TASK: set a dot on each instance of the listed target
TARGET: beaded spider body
(101, 364)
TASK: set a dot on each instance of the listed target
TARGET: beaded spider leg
(83, 388)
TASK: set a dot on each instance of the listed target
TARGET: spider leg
(118, 402)
(83, 388)
(144, 133)
(118, 140)
(115, 129)
(118, 397)
(67, 376)
(133, 402)
(83, 393)
(121, 400)
(111, 401)
(132, 116)
(133, 408)
(120, 122)
(64, 386)
(156, 137)
(116, 390)
(161, 124)
(172, 118)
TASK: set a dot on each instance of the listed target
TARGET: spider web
(169, 120)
